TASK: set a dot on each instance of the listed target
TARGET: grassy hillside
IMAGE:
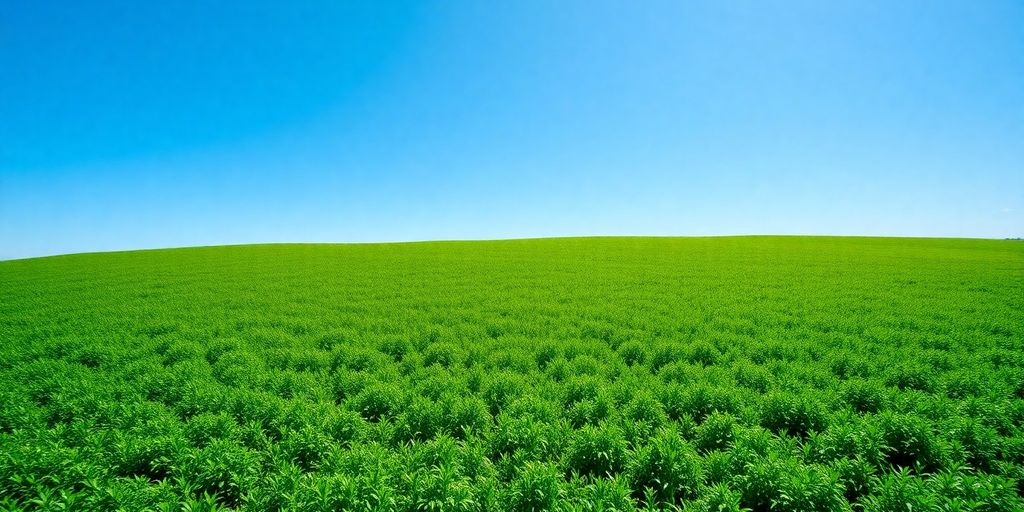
(771, 373)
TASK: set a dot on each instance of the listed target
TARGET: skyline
(164, 126)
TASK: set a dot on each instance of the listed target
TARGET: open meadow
(697, 374)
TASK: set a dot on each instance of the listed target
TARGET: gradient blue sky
(140, 124)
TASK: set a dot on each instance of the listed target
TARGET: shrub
(610, 494)
(537, 487)
(444, 354)
(846, 365)
(513, 434)
(716, 433)
(644, 408)
(633, 353)
(511, 360)
(378, 401)
(207, 427)
(761, 483)
(752, 376)
(578, 389)
(238, 368)
(776, 483)
(718, 467)
(585, 365)
(847, 440)
(590, 411)
(394, 347)
(357, 359)
(899, 491)
(545, 353)
(342, 426)
(795, 415)
(811, 488)
(558, 370)
(911, 376)
(465, 416)
(863, 396)
(306, 447)
(978, 491)
(222, 469)
(144, 456)
(598, 451)
(698, 402)
(663, 354)
(668, 466)
(703, 353)
(856, 476)
(963, 384)
(909, 442)
(434, 382)
(500, 389)
(979, 443)
(720, 498)
(422, 419)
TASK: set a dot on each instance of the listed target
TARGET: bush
(545, 354)
(664, 354)
(909, 442)
(856, 476)
(598, 451)
(863, 396)
(899, 492)
(911, 376)
(465, 416)
(979, 443)
(847, 440)
(357, 359)
(610, 494)
(223, 469)
(306, 447)
(644, 408)
(394, 347)
(720, 498)
(697, 402)
(753, 377)
(668, 466)
(444, 354)
(963, 384)
(204, 428)
(513, 434)
(578, 389)
(718, 467)
(377, 401)
(703, 353)
(633, 353)
(590, 411)
(811, 488)
(537, 487)
(790, 414)
(716, 433)
(775, 483)
(421, 420)
(500, 389)
(511, 360)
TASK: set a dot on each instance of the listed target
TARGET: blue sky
(137, 124)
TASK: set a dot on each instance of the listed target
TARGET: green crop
(696, 374)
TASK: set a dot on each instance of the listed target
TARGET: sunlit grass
(771, 373)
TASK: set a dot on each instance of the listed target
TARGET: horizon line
(509, 239)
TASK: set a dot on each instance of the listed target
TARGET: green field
(766, 373)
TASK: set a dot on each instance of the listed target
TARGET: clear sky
(154, 124)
